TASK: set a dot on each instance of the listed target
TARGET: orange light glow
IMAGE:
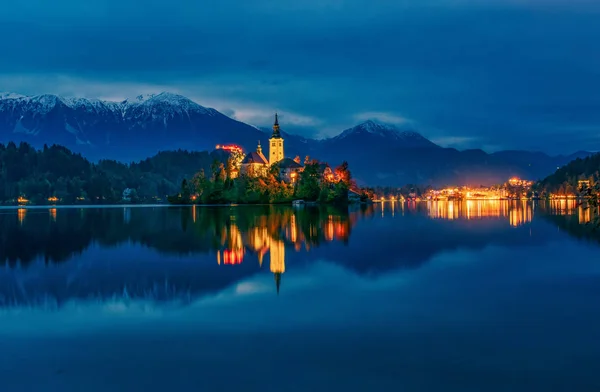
(53, 199)
(21, 215)
(22, 200)
(229, 147)
(233, 257)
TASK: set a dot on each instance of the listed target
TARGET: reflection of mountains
(232, 235)
(57, 235)
(428, 229)
(189, 252)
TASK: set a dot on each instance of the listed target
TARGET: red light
(233, 257)
(229, 147)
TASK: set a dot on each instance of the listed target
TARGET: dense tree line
(55, 171)
(218, 186)
(565, 181)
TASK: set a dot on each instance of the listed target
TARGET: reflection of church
(259, 241)
(272, 232)
(277, 261)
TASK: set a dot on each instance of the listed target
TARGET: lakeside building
(290, 169)
(255, 163)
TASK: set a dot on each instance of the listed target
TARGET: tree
(308, 184)
(592, 201)
(185, 190)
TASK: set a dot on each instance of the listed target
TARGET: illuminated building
(583, 184)
(276, 144)
(325, 172)
(255, 163)
(289, 170)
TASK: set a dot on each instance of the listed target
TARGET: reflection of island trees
(56, 235)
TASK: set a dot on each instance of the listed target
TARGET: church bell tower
(275, 144)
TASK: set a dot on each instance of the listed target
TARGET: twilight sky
(489, 74)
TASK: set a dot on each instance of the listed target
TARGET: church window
(273, 144)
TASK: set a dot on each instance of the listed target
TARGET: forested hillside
(565, 181)
(55, 171)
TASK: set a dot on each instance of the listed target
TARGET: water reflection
(165, 253)
(403, 296)
(515, 212)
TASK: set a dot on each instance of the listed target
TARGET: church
(256, 164)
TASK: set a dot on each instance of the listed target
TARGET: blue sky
(489, 74)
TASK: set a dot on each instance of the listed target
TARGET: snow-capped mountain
(138, 128)
(374, 132)
(131, 129)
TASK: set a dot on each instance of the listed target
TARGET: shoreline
(307, 204)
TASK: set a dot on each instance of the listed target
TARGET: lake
(438, 296)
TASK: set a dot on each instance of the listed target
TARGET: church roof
(289, 163)
(276, 133)
(255, 157)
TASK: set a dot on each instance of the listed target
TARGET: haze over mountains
(378, 154)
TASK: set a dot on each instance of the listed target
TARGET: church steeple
(276, 144)
(259, 148)
(276, 133)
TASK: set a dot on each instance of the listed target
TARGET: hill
(125, 131)
(56, 171)
(565, 180)
(386, 155)
(131, 130)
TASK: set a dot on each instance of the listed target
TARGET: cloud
(458, 142)
(501, 73)
(383, 117)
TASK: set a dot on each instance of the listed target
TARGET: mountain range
(131, 130)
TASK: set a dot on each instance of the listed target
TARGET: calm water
(479, 296)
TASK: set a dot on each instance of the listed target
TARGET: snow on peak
(175, 102)
(5, 95)
(166, 103)
(389, 132)
(374, 128)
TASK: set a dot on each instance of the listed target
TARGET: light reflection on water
(420, 296)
